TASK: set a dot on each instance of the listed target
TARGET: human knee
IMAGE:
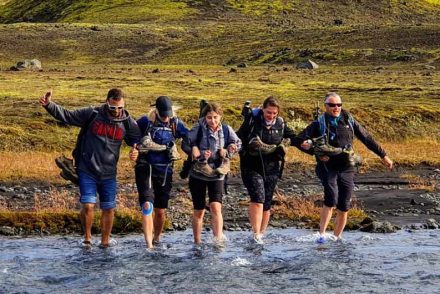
(198, 213)
(215, 208)
(159, 212)
(147, 208)
(88, 207)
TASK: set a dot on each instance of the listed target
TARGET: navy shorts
(260, 189)
(198, 192)
(338, 186)
(160, 190)
(89, 186)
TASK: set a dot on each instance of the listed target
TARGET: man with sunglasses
(336, 171)
(97, 154)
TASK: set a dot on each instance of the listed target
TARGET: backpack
(323, 126)
(247, 128)
(172, 125)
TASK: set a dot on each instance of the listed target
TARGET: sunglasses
(113, 108)
(334, 104)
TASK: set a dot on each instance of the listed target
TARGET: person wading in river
(336, 172)
(97, 154)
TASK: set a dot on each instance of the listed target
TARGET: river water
(289, 262)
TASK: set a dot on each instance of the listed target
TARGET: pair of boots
(147, 144)
(256, 146)
(202, 167)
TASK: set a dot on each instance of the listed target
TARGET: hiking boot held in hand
(354, 159)
(147, 144)
(256, 145)
(224, 167)
(284, 145)
(173, 153)
(68, 171)
(69, 176)
(203, 168)
(321, 147)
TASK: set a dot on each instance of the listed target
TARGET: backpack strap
(199, 135)
(225, 129)
(79, 140)
(323, 124)
(173, 125)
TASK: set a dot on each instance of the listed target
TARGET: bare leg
(147, 227)
(326, 215)
(216, 219)
(197, 224)
(265, 221)
(341, 220)
(106, 225)
(86, 216)
(256, 216)
(159, 221)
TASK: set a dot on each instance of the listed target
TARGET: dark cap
(164, 106)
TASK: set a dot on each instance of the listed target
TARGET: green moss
(434, 2)
(261, 7)
(125, 221)
(101, 11)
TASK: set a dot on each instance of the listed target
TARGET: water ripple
(290, 261)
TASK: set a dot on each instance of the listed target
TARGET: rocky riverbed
(404, 198)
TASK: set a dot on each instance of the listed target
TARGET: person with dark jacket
(97, 155)
(210, 143)
(263, 134)
(336, 171)
(154, 167)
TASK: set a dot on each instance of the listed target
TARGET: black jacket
(253, 126)
(339, 136)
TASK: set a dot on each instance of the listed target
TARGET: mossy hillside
(404, 107)
(101, 11)
(297, 13)
(217, 43)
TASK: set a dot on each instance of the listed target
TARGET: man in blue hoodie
(97, 154)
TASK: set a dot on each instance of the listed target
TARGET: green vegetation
(387, 74)
(262, 7)
(435, 2)
(43, 222)
(288, 13)
(101, 11)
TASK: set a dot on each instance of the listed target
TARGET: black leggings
(198, 192)
(260, 188)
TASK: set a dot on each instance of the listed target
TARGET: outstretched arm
(365, 137)
(76, 117)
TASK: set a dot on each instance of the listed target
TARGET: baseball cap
(164, 106)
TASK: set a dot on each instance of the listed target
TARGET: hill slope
(295, 13)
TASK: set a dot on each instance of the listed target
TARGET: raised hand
(45, 99)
